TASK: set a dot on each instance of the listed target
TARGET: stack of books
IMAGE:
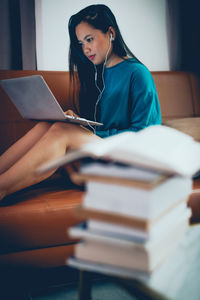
(135, 204)
(135, 217)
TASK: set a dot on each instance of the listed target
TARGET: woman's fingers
(71, 113)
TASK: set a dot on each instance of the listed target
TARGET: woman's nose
(86, 49)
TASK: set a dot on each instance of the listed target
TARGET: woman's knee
(55, 129)
(64, 128)
(42, 126)
(58, 132)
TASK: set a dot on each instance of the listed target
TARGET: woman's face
(95, 43)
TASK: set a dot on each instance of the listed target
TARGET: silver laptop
(34, 100)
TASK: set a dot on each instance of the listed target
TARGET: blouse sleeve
(145, 107)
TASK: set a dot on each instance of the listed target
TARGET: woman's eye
(89, 40)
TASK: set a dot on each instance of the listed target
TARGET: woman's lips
(91, 57)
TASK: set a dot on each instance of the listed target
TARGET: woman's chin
(97, 63)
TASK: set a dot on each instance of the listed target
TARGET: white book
(136, 201)
(153, 232)
(143, 258)
(157, 147)
(83, 232)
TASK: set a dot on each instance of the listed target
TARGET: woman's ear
(111, 33)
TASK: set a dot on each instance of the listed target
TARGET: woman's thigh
(75, 135)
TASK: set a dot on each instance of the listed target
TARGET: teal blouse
(129, 101)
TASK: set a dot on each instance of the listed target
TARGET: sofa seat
(34, 222)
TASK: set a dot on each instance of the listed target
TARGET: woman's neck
(114, 60)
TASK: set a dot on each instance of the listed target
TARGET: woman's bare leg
(22, 146)
(53, 144)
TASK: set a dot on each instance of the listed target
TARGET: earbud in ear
(111, 37)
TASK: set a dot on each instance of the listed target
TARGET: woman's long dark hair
(99, 17)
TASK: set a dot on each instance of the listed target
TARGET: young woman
(115, 89)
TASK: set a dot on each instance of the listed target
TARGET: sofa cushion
(38, 217)
(189, 126)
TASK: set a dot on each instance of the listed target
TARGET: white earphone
(101, 91)
(111, 37)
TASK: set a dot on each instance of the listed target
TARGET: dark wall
(190, 35)
(5, 35)
(17, 35)
(183, 25)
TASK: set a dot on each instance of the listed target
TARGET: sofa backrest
(178, 93)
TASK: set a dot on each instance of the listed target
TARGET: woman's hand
(70, 112)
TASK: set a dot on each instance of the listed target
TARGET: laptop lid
(33, 98)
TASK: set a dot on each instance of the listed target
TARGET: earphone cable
(103, 81)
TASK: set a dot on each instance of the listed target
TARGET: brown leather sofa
(34, 222)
